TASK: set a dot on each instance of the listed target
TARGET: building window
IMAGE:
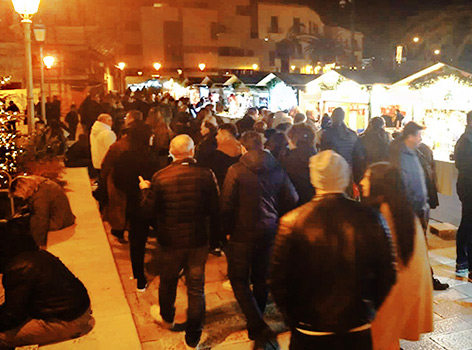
(133, 50)
(231, 51)
(272, 58)
(243, 10)
(274, 24)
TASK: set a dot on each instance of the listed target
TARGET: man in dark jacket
(256, 192)
(44, 301)
(72, 119)
(426, 157)
(340, 138)
(181, 199)
(463, 156)
(333, 265)
(404, 155)
(247, 123)
(375, 145)
(227, 153)
(296, 163)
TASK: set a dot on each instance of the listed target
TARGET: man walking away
(257, 191)
(183, 202)
(404, 155)
(333, 265)
(463, 156)
(72, 120)
(101, 138)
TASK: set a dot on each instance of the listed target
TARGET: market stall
(285, 89)
(332, 90)
(439, 97)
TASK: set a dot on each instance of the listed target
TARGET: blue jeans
(249, 263)
(192, 261)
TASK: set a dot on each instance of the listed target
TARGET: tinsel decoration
(9, 150)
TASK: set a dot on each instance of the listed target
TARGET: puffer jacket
(183, 203)
(256, 193)
(332, 266)
(342, 140)
(38, 285)
(296, 164)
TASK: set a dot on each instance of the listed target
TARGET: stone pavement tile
(103, 336)
(449, 325)
(225, 294)
(423, 344)
(455, 341)
(213, 300)
(449, 294)
(449, 252)
(211, 287)
(449, 309)
(465, 288)
(453, 281)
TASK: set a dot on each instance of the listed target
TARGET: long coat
(115, 210)
(408, 310)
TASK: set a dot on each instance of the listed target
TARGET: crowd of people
(331, 223)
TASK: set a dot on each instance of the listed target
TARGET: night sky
(379, 20)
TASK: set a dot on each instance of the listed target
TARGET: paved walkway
(84, 249)
(224, 328)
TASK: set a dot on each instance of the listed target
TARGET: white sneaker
(155, 312)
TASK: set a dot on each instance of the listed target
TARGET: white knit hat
(281, 118)
(329, 172)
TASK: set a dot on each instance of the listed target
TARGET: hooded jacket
(101, 138)
(256, 193)
(332, 266)
(296, 164)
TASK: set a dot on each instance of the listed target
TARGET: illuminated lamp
(49, 61)
(157, 66)
(202, 66)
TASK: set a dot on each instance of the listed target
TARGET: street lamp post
(343, 3)
(40, 36)
(121, 66)
(26, 9)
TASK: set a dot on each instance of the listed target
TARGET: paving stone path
(225, 325)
